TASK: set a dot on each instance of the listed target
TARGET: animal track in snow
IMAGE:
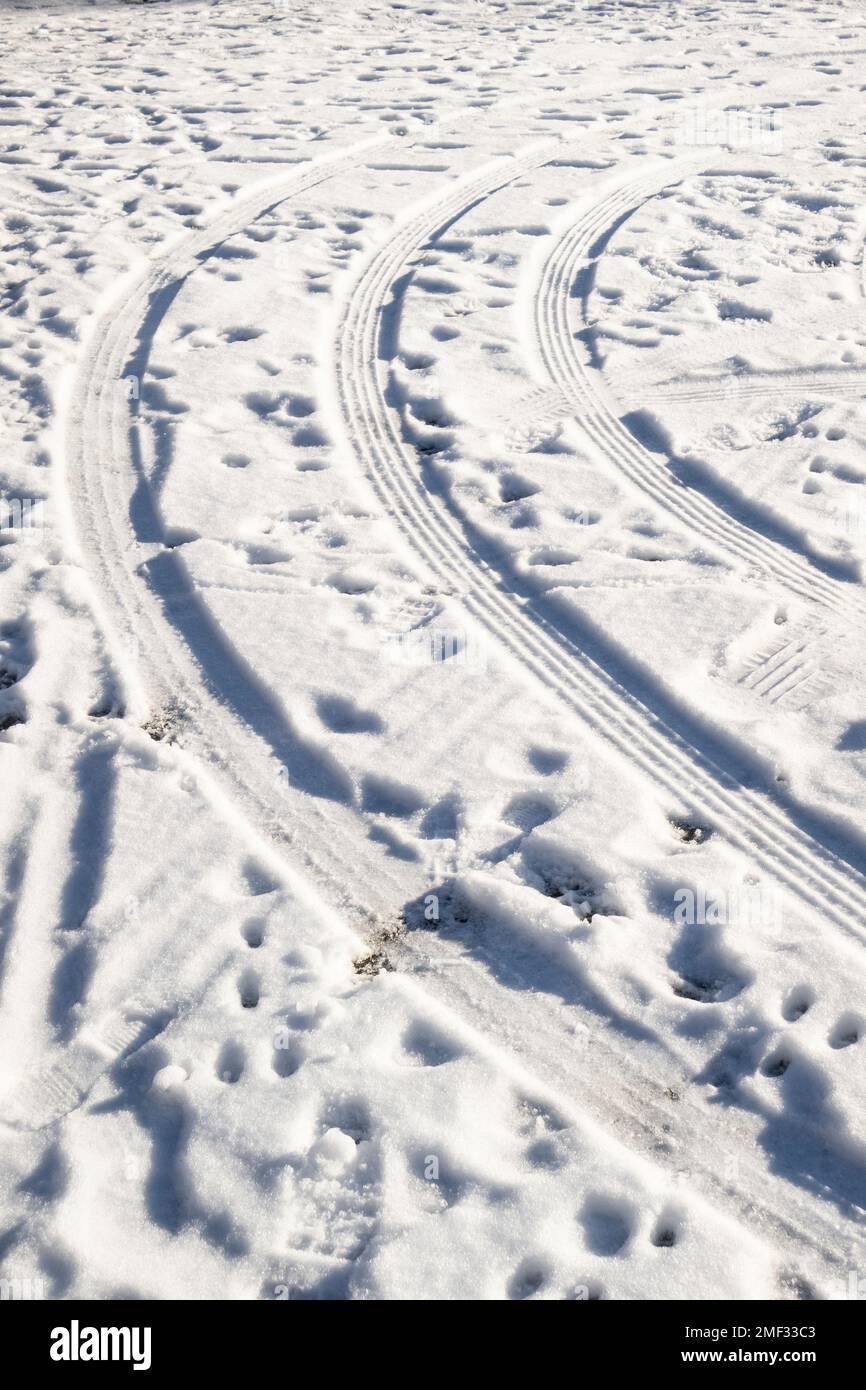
(798, 1003)
(608, 1224)
(249, 989)
(231, 1062)
(424, 1046)
(848, 1030)
(529, 1279)
(253, 933)
(288, 1056)
(343, 716)
(666, 1232)
(547, 761)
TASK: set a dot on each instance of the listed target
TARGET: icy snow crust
(431, 650)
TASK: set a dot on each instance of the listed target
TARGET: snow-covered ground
(432, 640)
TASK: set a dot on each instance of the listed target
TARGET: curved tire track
(104, 477)
(103, 471)
(579, 246)
(799, 864)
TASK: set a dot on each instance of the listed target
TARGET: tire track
(104, 473)
(578, 248)
(841, 383)
(792, 858)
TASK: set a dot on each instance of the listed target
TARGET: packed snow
(432, 645)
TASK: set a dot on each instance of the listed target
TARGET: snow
(431, 650)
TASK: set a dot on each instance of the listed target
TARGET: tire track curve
(576, 250)
(753, 822)
(104, 468)
(105, 473)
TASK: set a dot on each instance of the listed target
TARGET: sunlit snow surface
(432, 641)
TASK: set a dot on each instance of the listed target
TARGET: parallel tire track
(103, 477)
(793, 859)
(103, 472)
(562, 359)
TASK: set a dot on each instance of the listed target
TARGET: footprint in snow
(332, 1204)
(848, 1031)
(608, 1224)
